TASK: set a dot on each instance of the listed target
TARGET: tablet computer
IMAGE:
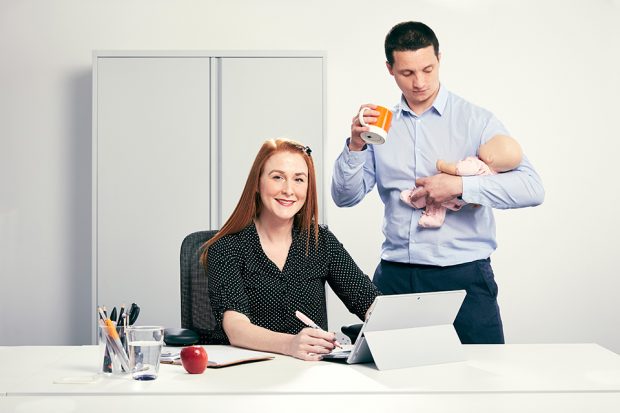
(399, 312)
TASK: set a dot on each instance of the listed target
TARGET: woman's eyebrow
(284, 173)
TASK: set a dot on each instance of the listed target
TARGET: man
(431, 123)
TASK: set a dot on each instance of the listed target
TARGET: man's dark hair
(409, 36)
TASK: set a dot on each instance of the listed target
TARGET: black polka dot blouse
(242, 278)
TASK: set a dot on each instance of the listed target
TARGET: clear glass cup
(110, 356)
(144, 344)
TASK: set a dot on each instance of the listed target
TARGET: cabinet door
(153, 174)
(262, 98)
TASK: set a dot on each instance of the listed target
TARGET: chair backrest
(196, 311)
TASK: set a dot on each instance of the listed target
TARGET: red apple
(194, 359)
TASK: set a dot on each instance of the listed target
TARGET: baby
(499, 154)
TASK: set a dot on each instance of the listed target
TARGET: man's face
(417, 75)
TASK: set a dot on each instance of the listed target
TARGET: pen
(129, 311)
(307, 321)
(134, 311)
(120, 314)
(113, 314)
(107, 360)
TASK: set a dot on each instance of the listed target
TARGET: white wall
(548, 70)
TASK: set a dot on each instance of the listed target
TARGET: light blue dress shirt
(452, 129)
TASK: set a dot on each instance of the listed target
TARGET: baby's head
(501, 153)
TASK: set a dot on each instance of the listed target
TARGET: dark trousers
(478, 321)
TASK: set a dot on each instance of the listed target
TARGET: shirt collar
(252, 234)
(253, 242)
(439, 104)
(441, 100)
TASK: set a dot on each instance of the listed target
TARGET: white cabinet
(174, 136)
(266, 98)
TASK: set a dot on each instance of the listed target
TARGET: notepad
(221, 356)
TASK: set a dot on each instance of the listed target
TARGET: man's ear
(389, 68)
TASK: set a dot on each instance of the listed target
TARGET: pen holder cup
(109, 354)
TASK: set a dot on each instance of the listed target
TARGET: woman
(271, 259)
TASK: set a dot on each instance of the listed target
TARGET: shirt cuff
(471, 189)
(354, 158)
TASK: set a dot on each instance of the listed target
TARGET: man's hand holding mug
(370, 126)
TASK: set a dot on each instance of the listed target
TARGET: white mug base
(375, 136)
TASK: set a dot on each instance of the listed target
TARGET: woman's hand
(310, 343)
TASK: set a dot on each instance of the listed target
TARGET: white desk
(495, 378)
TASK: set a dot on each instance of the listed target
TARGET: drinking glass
(144, 344)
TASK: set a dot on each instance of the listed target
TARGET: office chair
(196, 313)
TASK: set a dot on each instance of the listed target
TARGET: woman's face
(283, 186)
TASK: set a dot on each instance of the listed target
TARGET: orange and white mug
(378, 131)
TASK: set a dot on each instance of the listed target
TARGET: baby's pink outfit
(434, 216)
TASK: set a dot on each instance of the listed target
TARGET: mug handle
(360, 116)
